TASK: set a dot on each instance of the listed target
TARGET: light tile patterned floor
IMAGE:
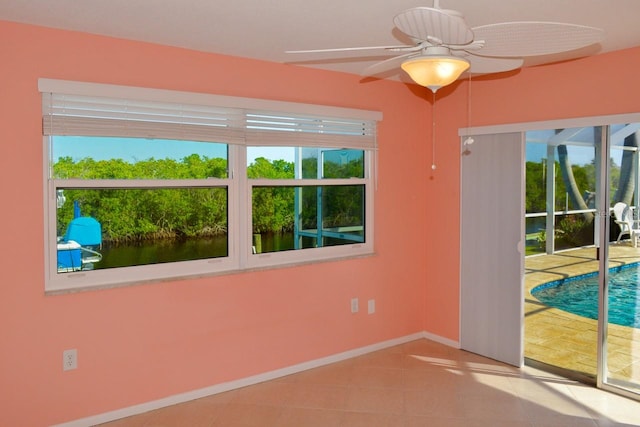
(569, 341)
(421, 383)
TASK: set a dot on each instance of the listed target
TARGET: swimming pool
(579, 295)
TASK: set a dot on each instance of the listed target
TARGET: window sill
(85, 288)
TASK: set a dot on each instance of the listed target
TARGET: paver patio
(566, 340)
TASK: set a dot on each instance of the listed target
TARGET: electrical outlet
(69, 359)
(354, 305)
(371, 306)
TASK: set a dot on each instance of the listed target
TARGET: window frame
(239, 191)
(136, 273)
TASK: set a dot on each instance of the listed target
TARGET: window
(153, 200)
(147, 184)
(328, 210)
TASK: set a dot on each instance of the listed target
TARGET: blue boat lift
(78, 249)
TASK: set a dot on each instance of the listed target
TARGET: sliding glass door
(561, 327)
(582, 305)
(619, 298)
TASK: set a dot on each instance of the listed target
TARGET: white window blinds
(263, 128)
(100, 116)
(83, 109)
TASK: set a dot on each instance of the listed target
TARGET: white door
(492, 229)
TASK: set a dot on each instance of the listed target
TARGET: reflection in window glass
(331, 163)
(343, 164)
(304, 163)
(287, 218)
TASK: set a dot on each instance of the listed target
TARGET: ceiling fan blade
(386, 65)
(534, 38)
(489, 65)
(425, 23)
(351, 49)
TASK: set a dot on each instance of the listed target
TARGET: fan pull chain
(433, 133)
(469, 139)
(469, 101)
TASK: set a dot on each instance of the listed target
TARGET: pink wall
(141, 343)
(600, 85)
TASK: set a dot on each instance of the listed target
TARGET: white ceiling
(265, 29)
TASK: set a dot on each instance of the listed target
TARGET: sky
(132, 150)
(579, 155)
(536, 147)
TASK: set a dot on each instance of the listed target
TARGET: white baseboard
(441, 340)
(255, 379)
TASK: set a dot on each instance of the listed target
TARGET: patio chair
(624, 218)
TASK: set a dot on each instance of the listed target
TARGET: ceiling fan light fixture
(435, 71)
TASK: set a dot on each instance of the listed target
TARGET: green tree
(273, 207)
(536, 187)
(141, 214)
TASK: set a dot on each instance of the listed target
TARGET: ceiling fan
(444, 46)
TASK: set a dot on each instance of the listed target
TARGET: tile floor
(421, 383)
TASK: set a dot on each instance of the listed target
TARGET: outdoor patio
(566, 340)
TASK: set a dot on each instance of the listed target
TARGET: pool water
(579, 295)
